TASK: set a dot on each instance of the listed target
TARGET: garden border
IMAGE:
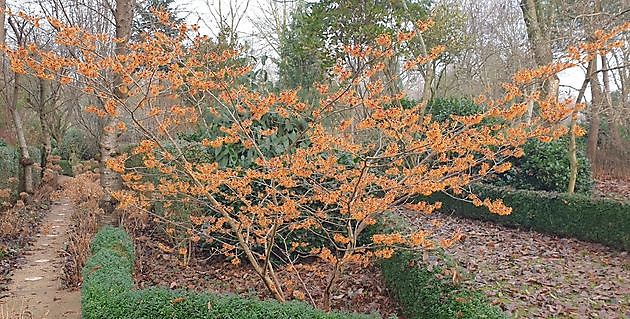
(599, 220)
(108, 292)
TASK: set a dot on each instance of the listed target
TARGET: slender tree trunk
(573, 162)
(110, 180)
(530, 111)
(44, 92)
(615, 136)
(26, 163)
(540, 42)
(596, 102)
(427, 88)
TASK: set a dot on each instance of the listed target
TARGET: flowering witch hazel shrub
(359, 154)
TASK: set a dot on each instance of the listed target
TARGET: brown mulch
(532, 275)
(612, 187)
(360, 290)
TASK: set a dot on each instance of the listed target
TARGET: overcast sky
(199, 12)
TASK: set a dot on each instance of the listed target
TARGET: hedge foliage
(66, 168)
(441, 109)
(77, 144)
(599, 220)
(107, 292)
(421, 294)
(545, 167)
(10, 167)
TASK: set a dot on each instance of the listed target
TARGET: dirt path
(35, 290)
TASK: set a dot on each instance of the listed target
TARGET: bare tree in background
(11, 93)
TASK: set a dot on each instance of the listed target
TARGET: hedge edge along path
(600, 220)
(421, 294)
(107, 292)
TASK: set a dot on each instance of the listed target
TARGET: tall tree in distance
(11, 94)
(318, 33)
(538, 16)
(145, 21)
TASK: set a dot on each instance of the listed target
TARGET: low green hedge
(9, 167)
(421, 294)
(424, 294)
(599, 220)
(107, 292)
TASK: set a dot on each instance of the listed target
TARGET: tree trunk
(427, 88)
(540, 42)
(615, 136)
(110, 180)
(572, 142)
(26, 163)
(596, 102)
(11, 95)
(44, 92)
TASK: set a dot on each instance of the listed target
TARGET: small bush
(546, 167)
(604, 221)
(66, 168)
(108, 283)
(76, 144)
(422, 294)
(442, 109)
(10, 168)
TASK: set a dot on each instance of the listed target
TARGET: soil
(613, 187)
(360, 290)
(35, 290)
(533, 275)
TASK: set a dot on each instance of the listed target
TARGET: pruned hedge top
(107, 292)
(598, 220)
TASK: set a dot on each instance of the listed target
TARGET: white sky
(199, 12)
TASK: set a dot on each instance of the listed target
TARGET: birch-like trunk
(26, 163)
(110, 180)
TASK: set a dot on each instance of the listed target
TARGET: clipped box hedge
(598, 220)
(107, 292)
(422, 295)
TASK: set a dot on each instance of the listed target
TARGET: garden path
(35, 290)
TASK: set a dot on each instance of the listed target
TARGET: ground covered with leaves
(610, 187)
(360, 290)
(532, 275)
(527, 274)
